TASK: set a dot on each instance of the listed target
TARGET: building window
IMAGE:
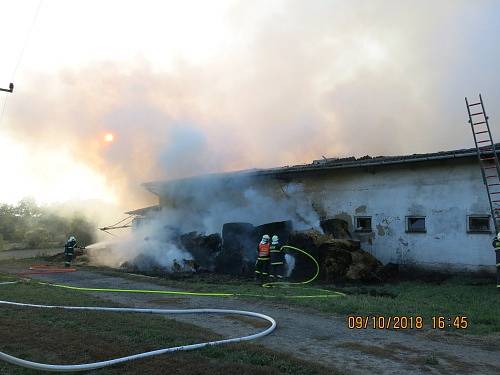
(415, 224)
(363, 224)
(478, 224)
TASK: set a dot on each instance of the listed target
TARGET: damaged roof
(332, 163)
(366, 161)
(143, 211)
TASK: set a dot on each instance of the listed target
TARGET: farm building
(429, 210)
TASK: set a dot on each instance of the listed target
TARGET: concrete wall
(445, 192)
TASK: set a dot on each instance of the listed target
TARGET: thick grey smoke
(150, 245)
(204, 205)
(308, 79)
(303, 80)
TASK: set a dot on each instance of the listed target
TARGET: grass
(477, 299)
(54, 336)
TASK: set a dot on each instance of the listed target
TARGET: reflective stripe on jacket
(496, 244)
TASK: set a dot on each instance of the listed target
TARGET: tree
(83, 230)
(37, 227)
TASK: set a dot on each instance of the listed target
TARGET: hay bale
(357, 271)
(364, 267)
(309, 238)
(307, 241)
(203, 248)
(335, 259)
(238, 252)
(280, 228)
(338, 228)
(231, 262)
(235, 233)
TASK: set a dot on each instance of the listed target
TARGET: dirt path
(30, 253)
(317, 337)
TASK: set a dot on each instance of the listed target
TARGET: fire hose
(96, 365)
(323, 293)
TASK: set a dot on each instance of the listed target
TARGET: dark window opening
(415, 224)
(479, 224)
(363, 224)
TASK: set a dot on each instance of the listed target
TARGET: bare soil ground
(28, 253)
(309, 335)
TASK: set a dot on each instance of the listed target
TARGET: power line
(27, 39)
(19, 60)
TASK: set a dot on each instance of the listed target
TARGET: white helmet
(265, 238)
(275, 239)
(72, 238)
(498, 236)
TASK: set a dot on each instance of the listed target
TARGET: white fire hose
(95, 365)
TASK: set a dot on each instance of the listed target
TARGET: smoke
(290, 264)
(148, 246)
(291, 84)
(204, 205)
(308, 79)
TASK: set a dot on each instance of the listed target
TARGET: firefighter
(277, 258)
(262, 264)
(69, 251)
(496, 245)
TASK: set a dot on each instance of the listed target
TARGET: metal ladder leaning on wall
(490, 168)
(486, 153)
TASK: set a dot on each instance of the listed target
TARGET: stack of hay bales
(239, 245)
(338, 228)
(203, 248)
(237, 242)
(280, 228)
(339, 259)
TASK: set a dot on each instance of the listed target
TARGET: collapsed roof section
(324, 164)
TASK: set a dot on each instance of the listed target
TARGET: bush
(39, 227)
(83, 230)
(38, 238)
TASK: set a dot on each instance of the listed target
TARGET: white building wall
(445, 192)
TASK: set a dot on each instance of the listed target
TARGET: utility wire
(26, 41)
(21, 55)
(4, 103)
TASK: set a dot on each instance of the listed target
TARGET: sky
(191, 87)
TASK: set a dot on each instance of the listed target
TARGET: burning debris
(201, 229)
(234, 253)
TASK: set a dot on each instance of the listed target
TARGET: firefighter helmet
(498, 236)
(275, 239)
(265, 238)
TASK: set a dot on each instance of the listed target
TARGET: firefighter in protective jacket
(69, 251)
(262, 264)
(277, 258)
(496, 245)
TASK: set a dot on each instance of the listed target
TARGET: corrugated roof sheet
(143, 211)
(338, 163)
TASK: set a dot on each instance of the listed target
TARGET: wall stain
(381, 230)
(361, 209)
(384, 227)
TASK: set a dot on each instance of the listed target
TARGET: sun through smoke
(109, 138)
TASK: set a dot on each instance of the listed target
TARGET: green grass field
(64, 337)
(477, 299)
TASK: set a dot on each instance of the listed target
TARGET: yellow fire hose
(95, 365)
(325, 293)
